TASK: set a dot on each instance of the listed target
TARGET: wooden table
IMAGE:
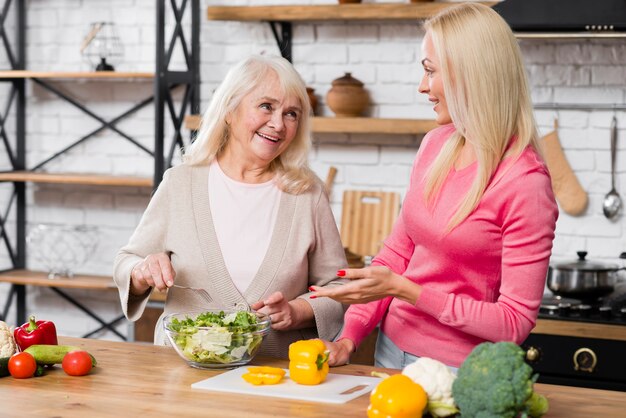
(134, 379)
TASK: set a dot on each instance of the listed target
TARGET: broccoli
(495, 382)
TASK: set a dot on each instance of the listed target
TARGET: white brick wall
(383, 55)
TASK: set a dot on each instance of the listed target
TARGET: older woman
(243, 217)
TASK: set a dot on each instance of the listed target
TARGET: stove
(580, 342)
(601, 311)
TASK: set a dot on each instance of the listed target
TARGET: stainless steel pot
(582, 279)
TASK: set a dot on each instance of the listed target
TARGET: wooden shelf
(354, 125)
(78, 281)
(85, 179)
(100, 75)
(580, 329)
(370, 11)
(40, 278)
(373, 125)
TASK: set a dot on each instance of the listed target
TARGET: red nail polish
(313, 297)
(311, 289)
(341, 273)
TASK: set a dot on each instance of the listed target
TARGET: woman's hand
(369, 284)
(340, 351)
(154, 271)
(284, 314)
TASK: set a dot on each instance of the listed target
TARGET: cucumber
(4, 366)
(39, 372)
(53, 354)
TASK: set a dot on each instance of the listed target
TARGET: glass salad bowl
(216, 339)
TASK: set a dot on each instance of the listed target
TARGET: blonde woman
(467, 260)
(243, 217)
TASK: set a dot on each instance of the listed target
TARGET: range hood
(600, 16)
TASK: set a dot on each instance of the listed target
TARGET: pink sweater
(484, 280)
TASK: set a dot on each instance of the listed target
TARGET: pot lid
(347, 80)
(583, 265)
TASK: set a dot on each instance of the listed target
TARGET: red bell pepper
(35, 332)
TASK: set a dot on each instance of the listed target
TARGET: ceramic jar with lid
(347, 97)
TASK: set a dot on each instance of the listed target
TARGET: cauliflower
(7, 343)
(494, 381)
(436, 379)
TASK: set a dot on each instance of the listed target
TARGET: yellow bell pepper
(308, 362)
(397, 396)
(263, 375)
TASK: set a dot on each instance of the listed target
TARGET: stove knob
(585, 360)
(605, 312)
(532, 354)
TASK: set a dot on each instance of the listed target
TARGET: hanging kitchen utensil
(612, 201)
(582, 279)
(330, 179)
(569, 193)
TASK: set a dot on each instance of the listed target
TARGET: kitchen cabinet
(154, 381)
(160, 93)
(575, 352)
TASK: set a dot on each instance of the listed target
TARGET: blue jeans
(388, 355)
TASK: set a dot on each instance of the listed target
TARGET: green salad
(217, 337)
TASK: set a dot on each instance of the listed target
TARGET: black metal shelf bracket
(15, 100)
(17, 158)
(104, 123)
(3, 35)
(189, 79)
(282, 32)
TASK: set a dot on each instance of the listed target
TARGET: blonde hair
(293, 174)
(487, 93)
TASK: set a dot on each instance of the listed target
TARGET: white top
(244, 216)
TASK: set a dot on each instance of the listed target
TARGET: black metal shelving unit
(167, 80)
(166, 83)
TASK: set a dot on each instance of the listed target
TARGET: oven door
(573, 361)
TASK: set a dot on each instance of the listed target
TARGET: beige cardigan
(305, 249)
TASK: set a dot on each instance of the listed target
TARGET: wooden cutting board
(367, 219)
(337, 389)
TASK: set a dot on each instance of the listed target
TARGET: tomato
(22, 365)
(77, 363)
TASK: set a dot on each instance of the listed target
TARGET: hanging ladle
(612, 202)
